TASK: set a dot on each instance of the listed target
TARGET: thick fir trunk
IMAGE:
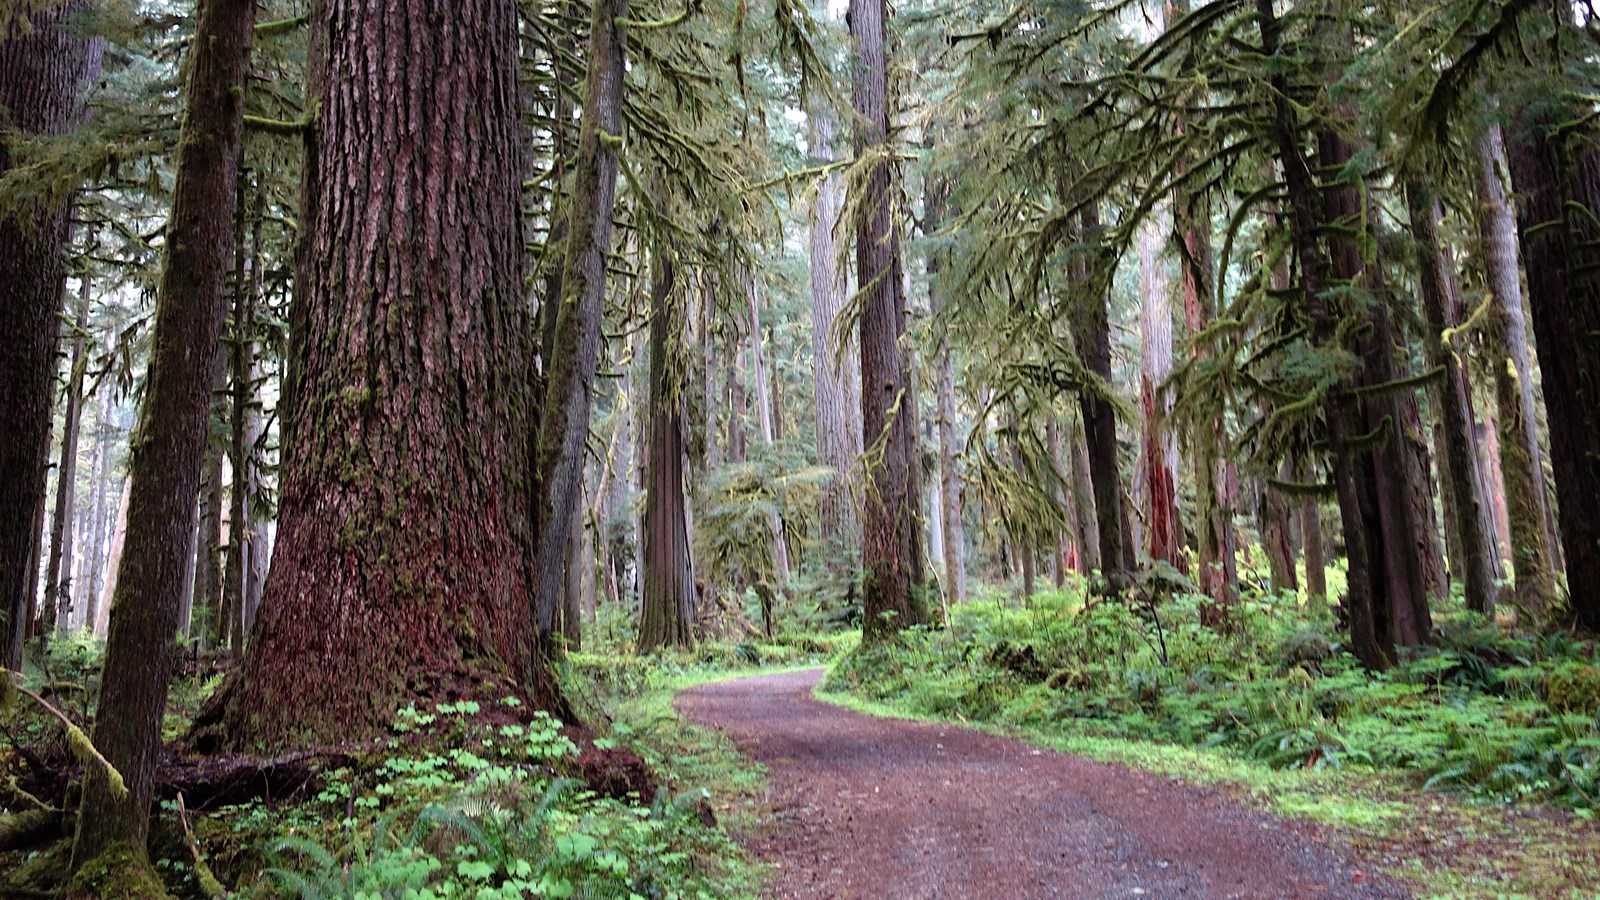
(1459, 465)
(1277, 537)
(835, 356)
(165, 459)
(1083, 500)
(575, 351)
(667, 615)
(44, 62)
(892, 558)
(403, 563)
(1521, 459)
(1100, 432)
(58, 573)
(1557, 179)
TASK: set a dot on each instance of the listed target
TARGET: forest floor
(863, 806)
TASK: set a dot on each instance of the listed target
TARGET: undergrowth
(1481, 712)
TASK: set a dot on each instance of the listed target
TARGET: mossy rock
(1306, 647)
(1572, 689)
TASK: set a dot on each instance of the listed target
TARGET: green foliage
(1493, 715)
(466, 808)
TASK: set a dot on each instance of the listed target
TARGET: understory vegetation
(465, 799)
(1474, 737)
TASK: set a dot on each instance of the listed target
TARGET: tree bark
(1557, 179)
(44, 62)
(1440, 310)
(166, 453)
(667, 617)
(564, 431)
(403, 563)
(119, 535)
(230, 614)
(206, 595)
(1521, 459)
(88, 581)
(891, 550)
(1158, 446)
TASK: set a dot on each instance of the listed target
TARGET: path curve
(871, 807)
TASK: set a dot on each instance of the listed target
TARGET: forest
(679, 448)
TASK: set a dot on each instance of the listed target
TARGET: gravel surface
(863, 807)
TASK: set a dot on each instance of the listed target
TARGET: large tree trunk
(1374, 513)
(892, 558)
(58, 574)
(667, 617)
(165, 459)
(1521, 459)
(1557, 179)
(43, 64)
(1460, 464)
(575, 352)
(403, 564)
(834, 354)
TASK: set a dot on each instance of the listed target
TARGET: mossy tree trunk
(169, 443)
(1557, 179)
(404, 556)
(575, 345)
(1093, 336)
(45, 60)
(892, 558)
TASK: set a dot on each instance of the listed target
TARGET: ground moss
(120, 872)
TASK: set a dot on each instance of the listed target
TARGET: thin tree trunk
(764, 416)
(58, 574)
(94, 529)
(165, 461)
(1440, 306)
(404, 559)
(43, 65)
(1521, 459)
(241, 397)
(208, 587)
(891, 552)
(564, 431)
(1100, 431)
(1083, 500)
(668, 612)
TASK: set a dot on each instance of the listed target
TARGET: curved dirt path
(865, 807)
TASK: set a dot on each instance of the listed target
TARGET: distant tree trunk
(164, 468)
(667, 617)
(1158, 448)
(405, 501)
(1276, 537)
(1521, 459)
(94, 530)
(564, 431)
(1100, 430)
(765, 419)
(738, 407)
(58, 574)
(1316, 564)
(1083, 500)
(1439, 307)
(207, 580)
(834, 356)
(1060, 559)
(951, 508)
(43, 65)
(1557, 179)
(891, 551)
(230, 615)
(569, 617)
(119, 534)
